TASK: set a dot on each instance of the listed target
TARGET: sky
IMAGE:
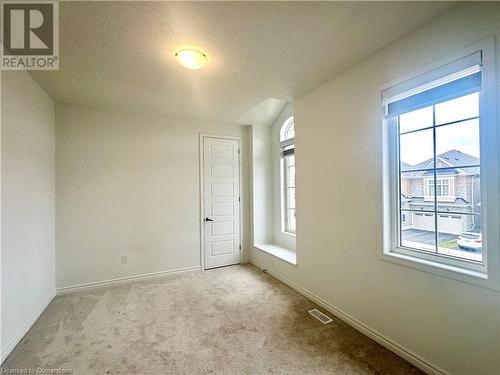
(463, 136)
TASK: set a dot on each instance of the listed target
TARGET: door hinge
(238, 151)
(239, 199)
(240, 246)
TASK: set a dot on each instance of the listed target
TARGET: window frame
(398, 247)
(488, 273)
(286, 144)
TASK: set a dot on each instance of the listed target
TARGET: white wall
(28, 187)
(128, 184)
(450, 324)
(262, 184)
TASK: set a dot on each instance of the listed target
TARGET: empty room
(250, 187)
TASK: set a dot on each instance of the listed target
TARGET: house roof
(452, 159)
(406, 166)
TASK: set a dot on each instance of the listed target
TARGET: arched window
(287, 143)
(287, 130)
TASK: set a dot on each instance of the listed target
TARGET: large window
(438, 150)
(287, 138)
(434, 125)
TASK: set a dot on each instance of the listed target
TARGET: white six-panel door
(221, 201)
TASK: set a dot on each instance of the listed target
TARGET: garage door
(450, 224)
(423, 221)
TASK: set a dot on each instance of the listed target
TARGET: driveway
(426, 237)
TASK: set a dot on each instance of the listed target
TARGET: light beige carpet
(234, 320)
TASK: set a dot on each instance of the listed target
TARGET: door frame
(202, 194)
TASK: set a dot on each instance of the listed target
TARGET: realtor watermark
(30, 35)
(37, 370)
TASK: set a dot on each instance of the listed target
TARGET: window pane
(429, 187)
(414, 195)
(290, 131)
(290, 194)
(458, 109)
(444, 187)
(458, 144)
(460, 236)
(421, 118)
(291, 177)
(464, 190)
(291, 223)
(291, 198)
(417, 231)
(290, 172)
(417, 150)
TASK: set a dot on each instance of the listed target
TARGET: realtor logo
(30, 35)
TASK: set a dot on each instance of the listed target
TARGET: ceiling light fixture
(191, 58)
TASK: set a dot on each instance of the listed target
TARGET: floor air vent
(325, 319)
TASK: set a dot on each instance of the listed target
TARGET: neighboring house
(457, 190)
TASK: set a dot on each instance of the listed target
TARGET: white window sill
(292, 235)
(448, 271)
(282, 253)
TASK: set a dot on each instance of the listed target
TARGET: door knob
(208, 219)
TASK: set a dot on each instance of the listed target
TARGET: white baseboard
(123, 280)
(13, 343)
(394, 347)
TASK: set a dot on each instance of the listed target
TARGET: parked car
(470, 241)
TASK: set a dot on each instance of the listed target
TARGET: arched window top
(287, 131)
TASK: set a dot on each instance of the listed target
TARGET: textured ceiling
(119, 55)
